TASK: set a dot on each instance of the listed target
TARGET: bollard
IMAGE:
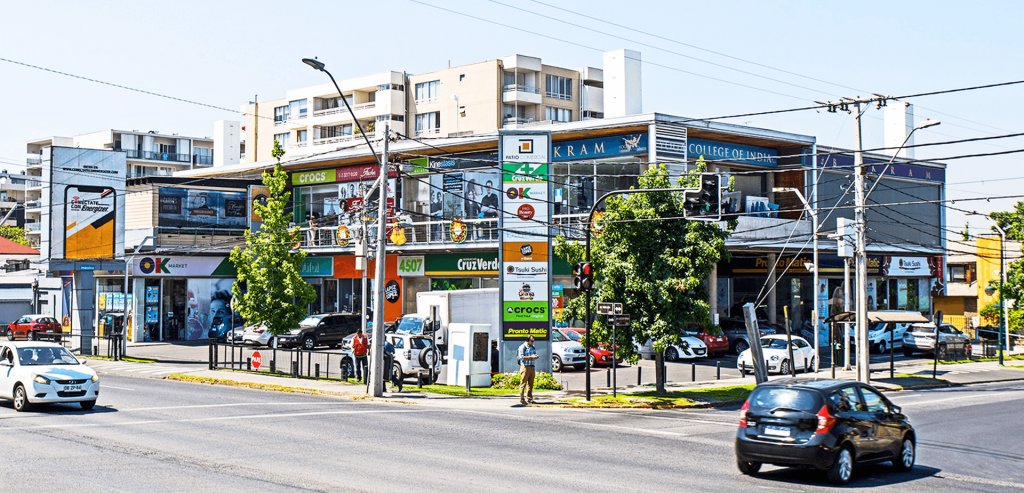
(609, 375)
(295, 368)
(718, 370)
(469, 379)
(317, 367)
(639, 375)
(273, 369)
(693, 372)
(248, 364)
(419, 379)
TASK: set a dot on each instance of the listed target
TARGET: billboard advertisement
(86, 190)
(187, 208)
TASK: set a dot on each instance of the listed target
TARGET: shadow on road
(66, 409)
(871, 476)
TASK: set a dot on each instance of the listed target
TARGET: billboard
(188, 208)
(86, 191)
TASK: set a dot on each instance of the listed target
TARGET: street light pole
(1003, 315)
(376, 363)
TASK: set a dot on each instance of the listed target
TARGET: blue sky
(223, 53)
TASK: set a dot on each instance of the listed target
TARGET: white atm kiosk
(469, 353)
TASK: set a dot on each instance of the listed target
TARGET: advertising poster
(65, 310)
(901, 294)
(209, 303)
(258, 194)
(924, 292)
(86, 212)
(821, 305)
(185, 208)
(152, 295)
(152, 314)
(871, 287)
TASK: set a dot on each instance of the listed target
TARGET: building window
(957, 273)
(202, 155)
(297, 108)
(592, 114)
(390, 87)
(559, 87)
(280, 114)
(394, 118)
(428, 123)
(558, 114)
(427, 91)
(284, 138)
(462, 77)
(335, 131)
(302, 135)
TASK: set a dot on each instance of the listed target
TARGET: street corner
(911, 382)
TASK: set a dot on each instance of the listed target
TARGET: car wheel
(57, 339)
(593, 361)
(942, 351)
(671, 354)
(87, 405)
(556, 363)
(21, 403)
(784, 367)
(842, 468)
(308, 343)
(883, 347)
(31, 335)
(907, 352)
(748, 468)
(905, 461)
(741, 346)
(346, 369)
(813, 367)
(396, 371)
(10, 334)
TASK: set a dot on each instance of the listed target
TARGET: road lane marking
(213, 418)
(581, 423)
(235, 404)
(118, 388)
(976, 480)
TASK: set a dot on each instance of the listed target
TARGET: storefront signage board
(736, 153)
(619, 145)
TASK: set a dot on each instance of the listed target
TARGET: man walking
(360, 347)
(527, 356)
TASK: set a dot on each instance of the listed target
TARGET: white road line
(581, 423)
(976, 480)
(234, 404)
(214, 418)
(117, 388)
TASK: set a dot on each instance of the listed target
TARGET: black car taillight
(743, 413)
(825, 420)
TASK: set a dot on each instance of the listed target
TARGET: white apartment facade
(516, 91)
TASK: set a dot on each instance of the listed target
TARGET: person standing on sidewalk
(527, 356)
(360, 346)
(389, 366)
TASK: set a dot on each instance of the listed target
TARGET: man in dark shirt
(489, 205)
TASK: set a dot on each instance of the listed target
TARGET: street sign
(605, 308)
(617, 308)
(257, 360)
(620, 320)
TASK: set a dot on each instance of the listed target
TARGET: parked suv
(320, 330)
(881, 334)
(414, 353)
(921, 338)
(833, 425)
(35, 327)
(735, 330)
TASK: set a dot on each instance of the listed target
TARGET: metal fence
(110, 346)
(296, 362)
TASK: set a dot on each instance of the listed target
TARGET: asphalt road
(155, 435)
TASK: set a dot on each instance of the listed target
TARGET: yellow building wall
(949, 306)
(988, 270)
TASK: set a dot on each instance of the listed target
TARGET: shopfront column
(772, 259)
(713, 293)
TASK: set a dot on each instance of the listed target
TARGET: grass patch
(679, 398)
(125, 358)
(461, 391)
(247, 385)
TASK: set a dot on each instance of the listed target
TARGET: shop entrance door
(175, 297)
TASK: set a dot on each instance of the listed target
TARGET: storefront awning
(894, 316)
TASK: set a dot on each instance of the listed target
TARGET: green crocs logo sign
(526, 311)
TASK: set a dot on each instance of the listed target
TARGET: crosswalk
(154, 370)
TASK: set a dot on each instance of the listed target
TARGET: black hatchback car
(831, 425)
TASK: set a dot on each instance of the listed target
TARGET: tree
(269, 289)
(1012, 223)
(14, 234)
(653, 262)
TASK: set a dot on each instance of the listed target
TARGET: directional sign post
(605, 308)
(257, 360)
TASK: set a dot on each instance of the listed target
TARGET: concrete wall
(622, 83)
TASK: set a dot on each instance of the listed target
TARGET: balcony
(520, 93)
(329, 111)
(428, 131)
(202, 160)
(511, 120)
(33, 204)
(334, 140)
(33, 228)
(33, 184)
(300, 144)
(33, 160)
(159, 156)
(425, 233)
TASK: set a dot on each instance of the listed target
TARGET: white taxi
(44, 372)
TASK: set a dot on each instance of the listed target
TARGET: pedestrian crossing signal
(704, 203)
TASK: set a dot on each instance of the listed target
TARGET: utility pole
(256, 131)
(863, 373)
(377, 364)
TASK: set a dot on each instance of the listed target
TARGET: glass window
(302, 135)
(285, 138)
(428, 122)
(280, 113)
(771, 343)
(558, 87)
(410, 325)
(297, 108)
(958, 273)
(558, 336)
(398, 342)
(427, 91)
(45, 356)
(874, 401)
(852, 398)
(420, 343)
(558, 114)
(772, 397)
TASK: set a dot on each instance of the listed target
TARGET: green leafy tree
(1012, 223)
(653, 262)
(14, 234)
(269, 289)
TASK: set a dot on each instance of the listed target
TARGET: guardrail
(416, 233)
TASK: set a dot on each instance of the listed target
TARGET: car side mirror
(897, 410)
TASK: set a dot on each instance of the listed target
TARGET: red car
(35, 327)
(599, 355)
(714, 339)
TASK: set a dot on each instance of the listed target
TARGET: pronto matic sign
(522, 330)
(525, 311)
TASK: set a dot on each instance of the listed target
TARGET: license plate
(71, 388)
(779, 431)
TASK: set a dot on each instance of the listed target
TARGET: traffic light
(705, 203)
(583, 276)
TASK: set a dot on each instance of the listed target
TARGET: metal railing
(33, 183)
(521, 88)
(159, 156)
(33, 227)
(416, 233)
(332, 140)
(429, 131)
(33, 204)
(202, 160)
(329, 111)
(558, 95)
(33, 160)
(511, 120)
(364, 106)
(298, 363)
(208, 238)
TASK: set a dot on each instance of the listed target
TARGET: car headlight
(774, 358)
(95, 378)
(41, 379)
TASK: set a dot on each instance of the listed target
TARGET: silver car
(921, 338)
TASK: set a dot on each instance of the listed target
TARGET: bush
(511, 380)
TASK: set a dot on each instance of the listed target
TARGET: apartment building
(148, 154)
(12, 199)
(516, 91)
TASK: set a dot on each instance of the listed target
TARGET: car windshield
(410, 325)
(310, 322)
(773, 343)
(33, 356)
(573, 335)
(558, 336)
(420, 342)
(878, 327)
(773, 397)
